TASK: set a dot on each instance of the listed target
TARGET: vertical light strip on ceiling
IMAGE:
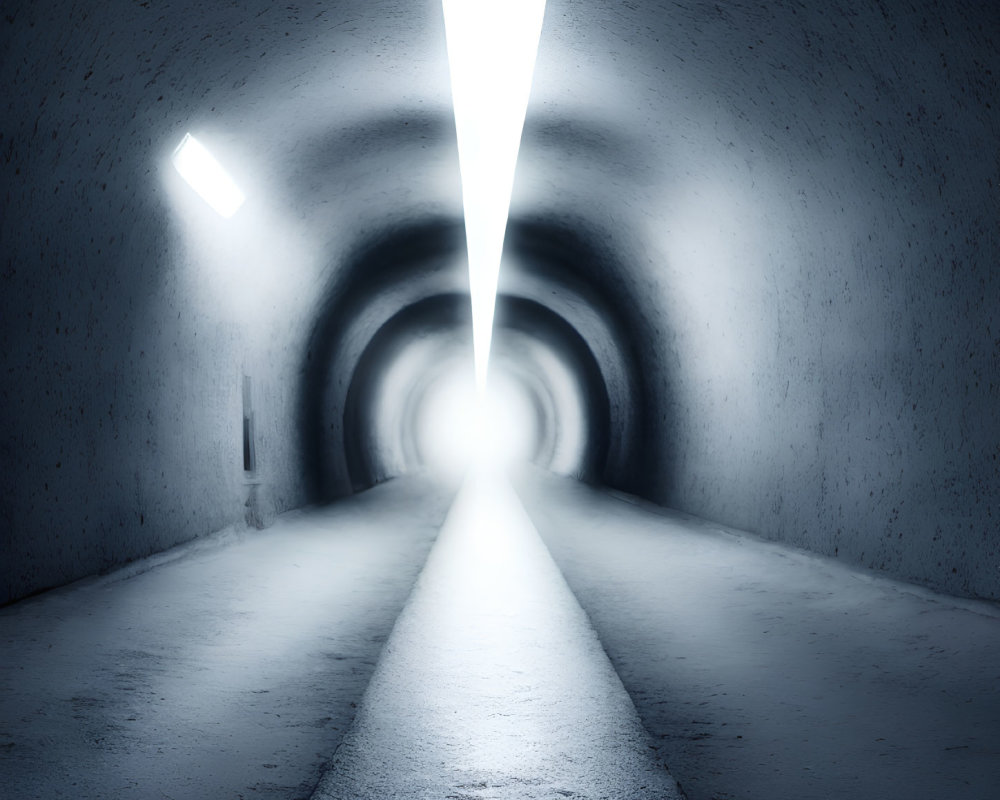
(491, 52)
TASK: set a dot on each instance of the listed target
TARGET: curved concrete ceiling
(771, 226)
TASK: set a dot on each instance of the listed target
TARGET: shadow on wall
(409, 283)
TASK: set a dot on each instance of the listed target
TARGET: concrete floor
(229, 669)
(493, 684)
(771, 674)
(236, 667)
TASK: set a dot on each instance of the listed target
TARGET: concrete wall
(127, 323)
(809, 203)
(788, 210)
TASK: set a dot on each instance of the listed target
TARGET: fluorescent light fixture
(207, 177)
(491, 51)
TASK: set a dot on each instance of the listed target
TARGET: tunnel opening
(541, 363)
(566, 332)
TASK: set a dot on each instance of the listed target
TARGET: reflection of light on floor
(493, 683)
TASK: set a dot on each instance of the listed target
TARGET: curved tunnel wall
(837, 371)
(375, 432)
(558, 286)
(794, 210)
(392, 270)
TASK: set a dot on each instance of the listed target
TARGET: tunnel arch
(557, 285)
(441, 426)
(363, 290)
(370, 457)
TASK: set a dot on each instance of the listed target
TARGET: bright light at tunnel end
(207, 177)
(460, 429)
(492, 46)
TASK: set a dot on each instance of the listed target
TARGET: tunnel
(402, 312)
(747, 343)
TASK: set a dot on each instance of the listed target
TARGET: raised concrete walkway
(493, 684)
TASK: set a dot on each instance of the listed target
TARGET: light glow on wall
(207, 177)
(491, 52)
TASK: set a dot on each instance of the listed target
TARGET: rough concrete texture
(791, 208)
(233, 669)
(493, 684)
(766, 673)
(802, 200)
(130, 310)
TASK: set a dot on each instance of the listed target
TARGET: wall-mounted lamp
(207, 177)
